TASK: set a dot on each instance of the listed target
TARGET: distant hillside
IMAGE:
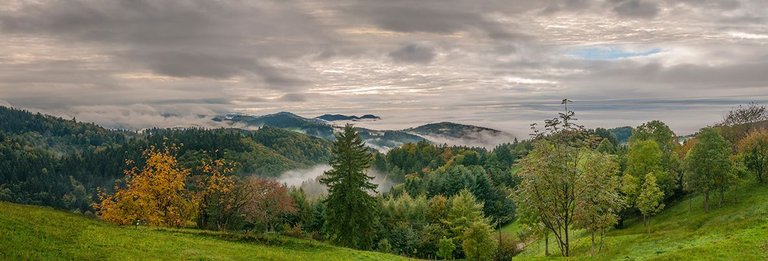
(444, 132)
(51, 161)
(285, 120)
(450, 129)
(461, 134)
(621, 134)
(387, 139)
(340, 117)
(39, 233)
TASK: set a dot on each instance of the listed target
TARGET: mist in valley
(309, 180)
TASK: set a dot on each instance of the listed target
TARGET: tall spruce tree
(352, 211)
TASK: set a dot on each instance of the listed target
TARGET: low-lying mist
(309, 180)
(483, 139)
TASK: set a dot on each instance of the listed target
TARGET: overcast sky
(501, 64)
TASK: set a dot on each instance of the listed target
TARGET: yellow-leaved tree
(219, 202)
(154, 194)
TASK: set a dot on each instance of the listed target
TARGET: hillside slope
(737, 231)
(39, 233)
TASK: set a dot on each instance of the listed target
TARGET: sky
(501, 64)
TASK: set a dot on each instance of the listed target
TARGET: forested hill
(58, 162)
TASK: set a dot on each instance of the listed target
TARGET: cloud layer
(136, 64)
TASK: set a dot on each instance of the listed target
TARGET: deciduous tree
(709, 167)
(267, 202)
(154, 194)
(649, 202)
(645, 156)
(598, 205)
(446, 248)
(477, 242)
(217, 204)
(548, 189)
(754, 151)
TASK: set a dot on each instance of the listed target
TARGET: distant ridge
(323, 127)
(341, 117)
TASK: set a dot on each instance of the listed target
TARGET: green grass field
(737, 231)
(39, 233)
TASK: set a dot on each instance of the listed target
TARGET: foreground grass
(737, 231)
(38, 233)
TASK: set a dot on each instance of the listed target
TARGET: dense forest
(446, 203)
(51, 161)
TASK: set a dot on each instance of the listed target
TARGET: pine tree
(352, 211)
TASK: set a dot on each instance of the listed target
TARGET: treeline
(51, 161)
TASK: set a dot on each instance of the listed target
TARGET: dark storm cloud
(413, 53)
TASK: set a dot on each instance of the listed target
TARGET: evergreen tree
(352, 211)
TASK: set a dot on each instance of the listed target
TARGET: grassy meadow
(41, 233)
(736, 231)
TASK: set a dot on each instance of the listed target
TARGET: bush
(507, 247)
(293, 231)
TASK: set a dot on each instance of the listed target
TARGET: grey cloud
(134, 63)
(687, 76)
(636, 8)
(413, 53)
(440, 17)
(718, 4)
(293, 97)
(566, 5)
(181, 64)
(208, 39)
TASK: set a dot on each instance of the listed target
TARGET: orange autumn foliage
(154, 194)
(219, 202)
(217, 181)
(267, 201)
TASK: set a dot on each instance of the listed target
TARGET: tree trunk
(720, 200)
(592, 251)
(546, 243)
(567, 243)
(706, 201)
(647, 225)
(602, 238)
